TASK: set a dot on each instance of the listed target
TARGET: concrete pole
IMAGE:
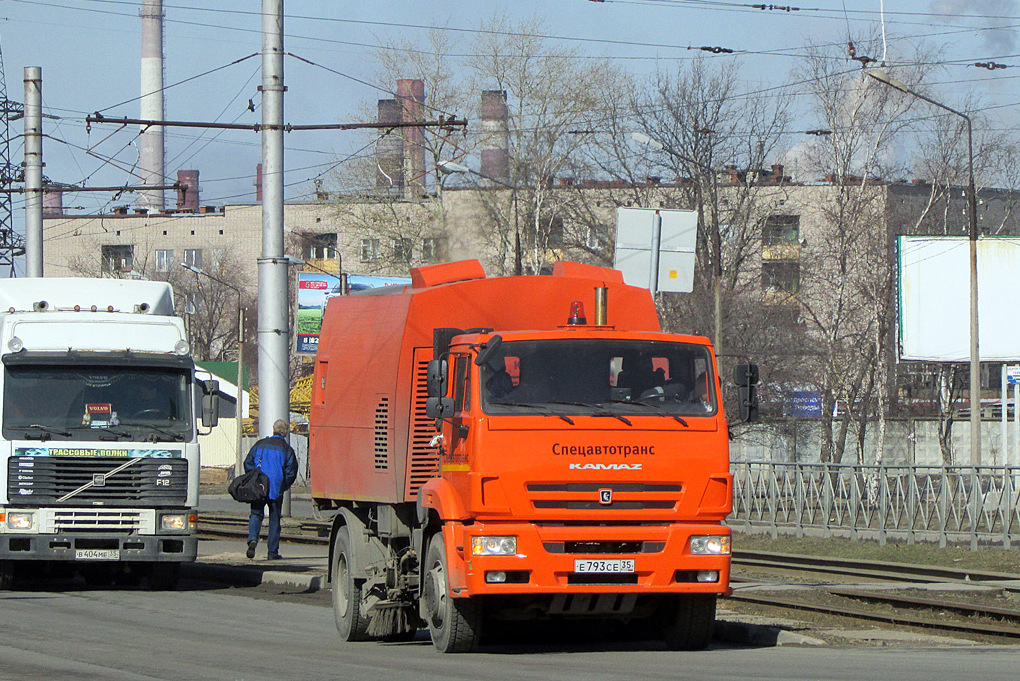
(239, 464)
(33, 172)
(150, 139)
(273, 305)
(975, 354)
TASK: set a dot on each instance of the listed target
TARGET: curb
(251, 576)
(760, 635)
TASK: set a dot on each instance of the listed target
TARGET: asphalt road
(64, 631)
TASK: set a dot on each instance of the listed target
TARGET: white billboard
(678, 236)
(934, 298)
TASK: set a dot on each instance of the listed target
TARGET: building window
(781, 230)
(370, 250)
(402, 250)
(431, 249)
(781, 276)
(320, 247)
(117, 259)
(164, 259)
(193, 256)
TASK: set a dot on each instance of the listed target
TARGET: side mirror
(489, 350)
(747, 395)
(745, 374)
(439, 408)
(746, 378)
(211, 404)
(435, 380)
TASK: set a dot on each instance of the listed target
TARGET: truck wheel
(164, 576)
(346, 594)
(6, 574)
(453, 622)
(687, 622)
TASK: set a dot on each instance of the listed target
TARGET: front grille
(591, 579)
(44, 480)
(590, 496)
(604, 547)
(595, 505)
(88, 520)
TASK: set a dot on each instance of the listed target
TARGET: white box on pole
(634, 243)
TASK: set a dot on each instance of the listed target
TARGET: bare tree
(847, 269)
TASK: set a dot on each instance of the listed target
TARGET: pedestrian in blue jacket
(275, 457)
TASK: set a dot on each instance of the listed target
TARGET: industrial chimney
(187, 194)
(389, 152)
(495, 136)
(411, 95)
(150, 144)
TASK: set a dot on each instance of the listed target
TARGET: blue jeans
(255, 524)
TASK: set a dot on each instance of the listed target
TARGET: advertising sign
(313, 290)
(934, 298)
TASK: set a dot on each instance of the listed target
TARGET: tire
(164, 576)
(6, 574)
(350, 623)
(454, 623)
(687, 622)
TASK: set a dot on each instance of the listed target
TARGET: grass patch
(991, 559)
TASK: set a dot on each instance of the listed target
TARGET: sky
(89, 54)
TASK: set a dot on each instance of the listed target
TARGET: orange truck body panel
(532, 475)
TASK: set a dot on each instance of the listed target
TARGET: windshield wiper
(596, 410)
(656, 406)
(176, 437)
(545, 410)
(46, 431)
(117, 434)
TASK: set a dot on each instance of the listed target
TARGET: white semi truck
(99, 406)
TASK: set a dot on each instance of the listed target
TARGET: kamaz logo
(605, 466)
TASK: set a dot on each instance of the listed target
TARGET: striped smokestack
(150, 140)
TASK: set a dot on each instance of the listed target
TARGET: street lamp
(239, 462)
(975, 357)
(642, 138)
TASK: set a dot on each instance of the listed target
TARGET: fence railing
(944, 504)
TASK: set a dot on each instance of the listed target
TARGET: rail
(979, 505)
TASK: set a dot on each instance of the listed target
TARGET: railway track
(942, 611)
(304, 531)
(937, 613)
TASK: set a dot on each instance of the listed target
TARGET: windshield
(599, 376)
(61, 402)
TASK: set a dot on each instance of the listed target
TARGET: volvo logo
(99, 480)
(605, 496)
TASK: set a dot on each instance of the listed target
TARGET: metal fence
(944, 504)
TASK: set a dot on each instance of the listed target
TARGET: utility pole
(33, 172)
(273, 334)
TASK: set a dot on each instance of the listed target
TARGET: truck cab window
(590, 375)
(461, 383)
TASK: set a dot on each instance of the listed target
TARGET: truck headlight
(493, 546)
(174, 522)
(20, 521)
(710, 545)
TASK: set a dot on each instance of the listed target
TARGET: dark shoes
(275, 557)
(250, 553)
